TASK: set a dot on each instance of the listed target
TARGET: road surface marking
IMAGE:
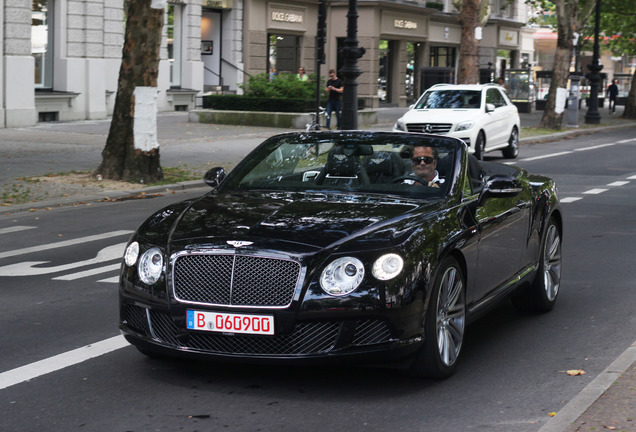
(27, 268)
(15, 229)
(570, 199)
(595, 191)
(61, 361)
(114, 279)
(618, 183)
(65, 243)
(87, 273)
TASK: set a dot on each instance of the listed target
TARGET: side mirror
(214, 177)
(500, 186)
(490, 107)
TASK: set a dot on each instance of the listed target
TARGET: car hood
(317, 220)
(440, 115)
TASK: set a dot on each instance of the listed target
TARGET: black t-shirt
(334, 96)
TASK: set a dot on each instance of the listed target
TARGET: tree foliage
(571, 17)
(618, 23)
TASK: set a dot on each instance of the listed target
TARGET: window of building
(42, 42)
(284, 53)
(442, 56)
(174, 26)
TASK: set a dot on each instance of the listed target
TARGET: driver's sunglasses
(426, 159)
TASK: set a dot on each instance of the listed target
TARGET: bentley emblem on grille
(428, 128)
(239, 243)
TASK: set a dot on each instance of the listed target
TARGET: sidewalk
(607, 403)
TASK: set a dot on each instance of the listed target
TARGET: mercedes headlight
(150, 266)
(399, 125)
(464, 126)
(342, 276)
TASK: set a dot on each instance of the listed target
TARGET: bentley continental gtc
(364, 247)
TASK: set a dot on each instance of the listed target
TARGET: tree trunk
(468, 68)
(567, 21)
(122, 157)
(630, 105)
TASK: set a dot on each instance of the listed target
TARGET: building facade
(60, 59)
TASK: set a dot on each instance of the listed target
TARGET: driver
(424, 164)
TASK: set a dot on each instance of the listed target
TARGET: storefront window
(284, 53)
(41, 42)
(442, 56)
(174, 43)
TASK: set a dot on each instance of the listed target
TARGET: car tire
(444, 324)
(480, 146)
(541, 296)
(512, 151)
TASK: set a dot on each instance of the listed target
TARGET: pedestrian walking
(301, 75)
(334, 89)
(612, 94)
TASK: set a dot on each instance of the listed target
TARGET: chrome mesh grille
(307, 338)
(371, 332)
(235, 280)
(434, 128)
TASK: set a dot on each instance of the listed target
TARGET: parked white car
(481, 115)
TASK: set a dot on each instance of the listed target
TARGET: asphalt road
(512, 375)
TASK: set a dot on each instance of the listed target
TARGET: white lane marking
(87, 273)
(61, 361)
(570, 199)
(618, 183)
(27, 268)
(594, 147)
(114, 279)
(64, 243)
(545, 156)
(595, 191)
(15, 229)
(625, 141)
(631, 177)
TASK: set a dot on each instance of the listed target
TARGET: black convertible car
(325, 246)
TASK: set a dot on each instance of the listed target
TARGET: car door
(497, 130)
(503, 224)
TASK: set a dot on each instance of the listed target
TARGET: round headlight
(342, 276)
(388, 266)
(131, 254)
(150, 266)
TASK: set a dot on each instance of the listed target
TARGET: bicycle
(315, 123)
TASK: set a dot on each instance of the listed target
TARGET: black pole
(593, 116)
(350, 70)
(321, 35)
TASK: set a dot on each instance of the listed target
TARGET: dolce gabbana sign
(404, 24)
(285, 17)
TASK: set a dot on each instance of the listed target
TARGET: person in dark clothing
(612, 94)
(334, 89)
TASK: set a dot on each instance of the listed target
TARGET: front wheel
(542, 295)
(444, 324)
(512, 151)
(480, 146)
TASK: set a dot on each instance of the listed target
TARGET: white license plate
(230, 323)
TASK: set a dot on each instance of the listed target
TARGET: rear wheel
(480, 146)
(444, 324)
(512, 151)
(542, 295)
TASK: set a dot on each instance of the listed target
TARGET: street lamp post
(350, 70)
(593, 116)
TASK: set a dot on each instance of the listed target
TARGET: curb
(106, 197)
(590, 394)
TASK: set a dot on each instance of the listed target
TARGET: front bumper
(364, 340)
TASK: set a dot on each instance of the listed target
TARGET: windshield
(449, 99)
(366, 162)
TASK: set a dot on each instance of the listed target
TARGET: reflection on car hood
(314, 219)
